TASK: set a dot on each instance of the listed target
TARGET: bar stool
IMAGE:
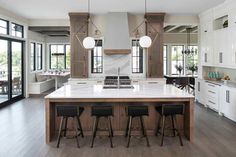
(136, 111)
(98, 112)
(172, 110)
(69, 111)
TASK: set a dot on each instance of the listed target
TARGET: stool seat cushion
(170, 109)
(69, 110)
(137, 111)
(102, 111)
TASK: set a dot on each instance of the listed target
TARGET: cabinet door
(232, 46)
(224, 100)
(232, 101)
(221, 53)
(206, 44)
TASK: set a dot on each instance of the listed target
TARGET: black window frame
(34, 54)
(37, 57)
(135, 42)
(97, 70)
(165, 61)
(7, 28)
(17, 31)
(50, 54)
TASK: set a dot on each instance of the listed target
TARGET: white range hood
(116, 34)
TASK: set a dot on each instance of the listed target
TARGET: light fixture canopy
(89, 43)
(145, 41)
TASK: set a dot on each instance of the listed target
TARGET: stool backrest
(66, 110)
(173, 109)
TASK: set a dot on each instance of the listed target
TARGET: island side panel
(189, 119)
(50, 120)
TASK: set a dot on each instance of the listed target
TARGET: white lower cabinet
(228, 102)
(200, 90)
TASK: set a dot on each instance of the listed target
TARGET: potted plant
(179, 68)
(192, 68)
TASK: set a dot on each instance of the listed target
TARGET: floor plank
(23, 135)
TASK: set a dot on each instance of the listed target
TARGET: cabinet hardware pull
(211, 102)
(199, 86)
(211, 85)
(221, 57)
(212, 92)
(205, 57)
(227, 96)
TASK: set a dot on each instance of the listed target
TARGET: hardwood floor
(23, 135)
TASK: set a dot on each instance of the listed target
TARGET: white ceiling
(58, 9)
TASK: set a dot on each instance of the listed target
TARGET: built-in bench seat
(40, 87)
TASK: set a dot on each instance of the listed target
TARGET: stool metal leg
(65, 127)
(95, 130)
(112, 134)
(144, 131)
(173, 125)
(178, 132)
(80, 126)
(129, 130)
(158, 126)
(110, 130)
(142, 127)
(60, 130)
(76, 133)
(163, 129)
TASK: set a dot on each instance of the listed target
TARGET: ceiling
(58, 9)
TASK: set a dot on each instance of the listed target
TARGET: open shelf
(221, 23)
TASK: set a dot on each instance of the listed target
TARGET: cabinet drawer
(212, 94)
(212, 103)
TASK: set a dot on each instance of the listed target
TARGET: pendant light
(145, 41)
(187, 50)
(89, 42)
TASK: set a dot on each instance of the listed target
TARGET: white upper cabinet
(232, 13)
(206, 38)
(217, 39)
(221, 46)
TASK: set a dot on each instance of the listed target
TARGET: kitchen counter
(148, 94)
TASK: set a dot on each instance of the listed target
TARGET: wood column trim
(154, 26)
(79, 55)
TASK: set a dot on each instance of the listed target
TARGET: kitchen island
(87, 95)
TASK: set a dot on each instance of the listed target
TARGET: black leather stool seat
(136, 111)
(69, 110)
(102, 111)
(170, 109)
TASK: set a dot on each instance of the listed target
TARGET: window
(59, 56)
(17, 30)
(4, 27)
(97, 58)
(67, 56)
(165, 59)
(192, 59)
(39, 56)
(137, 57)
(177, 58)
(32, 56)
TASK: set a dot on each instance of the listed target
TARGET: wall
(36, 38)
(176, 38)
(112, 62)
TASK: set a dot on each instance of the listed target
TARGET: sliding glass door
(4, 79)
(16, 68)
(11, 70)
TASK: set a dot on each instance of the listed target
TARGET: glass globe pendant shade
(89, 43)
(145, 41)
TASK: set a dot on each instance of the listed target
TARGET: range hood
(116, 34)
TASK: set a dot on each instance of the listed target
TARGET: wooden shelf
(117, 51)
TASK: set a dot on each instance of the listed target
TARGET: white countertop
(139, 91)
